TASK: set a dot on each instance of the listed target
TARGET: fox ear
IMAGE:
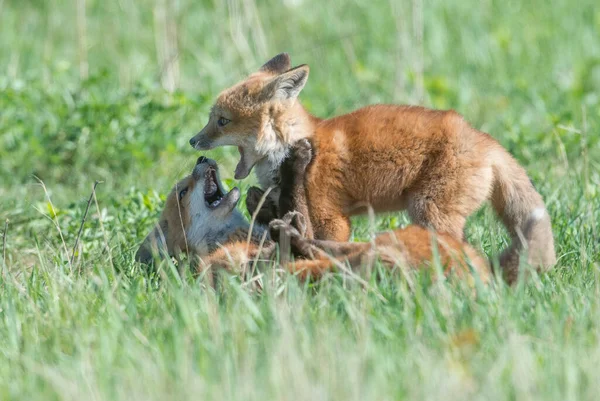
(278, 64)
(287, 85)
(154, 244)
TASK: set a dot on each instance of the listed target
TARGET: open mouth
(247, 160)
(213, 194)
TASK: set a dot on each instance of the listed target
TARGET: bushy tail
(524, 214)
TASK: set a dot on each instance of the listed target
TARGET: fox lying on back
(200, 218)
(431, 163)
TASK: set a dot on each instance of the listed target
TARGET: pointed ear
(278, 64)
(155, 244)
(287, 85)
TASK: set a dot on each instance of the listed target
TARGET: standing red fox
(429, 162)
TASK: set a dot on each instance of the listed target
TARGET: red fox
(412, 246)
(201, 219)
(431, 163)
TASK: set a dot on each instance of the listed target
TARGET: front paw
(302, 152)
(296, 220)
(268, 210)
(253, 197)
(280, 227)
(282, 231)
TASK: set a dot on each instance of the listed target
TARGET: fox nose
(193, 141)
(201, 160)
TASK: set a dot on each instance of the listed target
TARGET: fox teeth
(215, 203)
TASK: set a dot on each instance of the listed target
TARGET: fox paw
(268, 210)
(281, 226)
(296, 220)
(292, 227)
(253, 198)
(302, 152)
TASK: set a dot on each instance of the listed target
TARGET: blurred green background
(112, 90)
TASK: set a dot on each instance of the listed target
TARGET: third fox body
(431, 163)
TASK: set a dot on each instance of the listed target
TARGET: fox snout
(204, 139)
(202, 164)
(205, 160)
(200, 142)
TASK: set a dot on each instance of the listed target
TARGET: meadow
(111, 91)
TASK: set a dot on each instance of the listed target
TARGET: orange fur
(413, 247)
(233, 257)
(218, 236)
(431, 163)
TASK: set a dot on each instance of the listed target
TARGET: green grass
(526, 72)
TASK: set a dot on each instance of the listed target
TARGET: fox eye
(182, 193)
(223, 122)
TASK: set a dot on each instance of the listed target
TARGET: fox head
(198, 215)
(256, 115)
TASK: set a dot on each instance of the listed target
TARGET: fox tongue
(242, 169)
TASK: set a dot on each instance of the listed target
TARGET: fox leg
(327, 217)
(331, 226)
(340, 249)
(322, 256)
(293, 189)
(425, 212)
(326, 249)
(445, 204)
(309, 248)
(315, 268)
(268, 210)
(305, 268)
